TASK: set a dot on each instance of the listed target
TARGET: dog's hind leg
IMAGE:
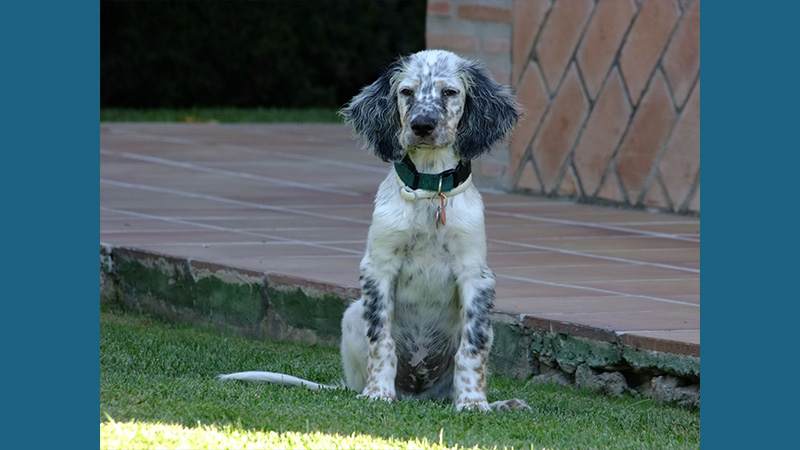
(354, 347)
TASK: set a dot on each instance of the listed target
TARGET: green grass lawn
(157, 390)
(221, 115)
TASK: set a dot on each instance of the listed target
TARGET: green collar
(430, 182)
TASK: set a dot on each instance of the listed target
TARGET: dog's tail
(276, 378)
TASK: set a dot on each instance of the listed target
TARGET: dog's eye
(448, 92)
(407, 91)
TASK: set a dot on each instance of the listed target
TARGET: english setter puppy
(421, 328)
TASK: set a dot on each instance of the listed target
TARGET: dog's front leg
(377, 281)
(477, 298)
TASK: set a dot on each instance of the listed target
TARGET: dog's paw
(386, 398)
(473, 405)
(509, 405)
(376, 393)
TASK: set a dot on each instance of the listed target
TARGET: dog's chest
(426, 325)
(426, 314)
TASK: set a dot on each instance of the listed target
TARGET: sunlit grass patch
(141, 435)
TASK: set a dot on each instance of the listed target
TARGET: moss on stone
(571, 351)
(680, 365)
(221, 301)
(162, 280)
(321, 312)
(509, 354)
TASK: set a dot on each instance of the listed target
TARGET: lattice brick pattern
(612, 97)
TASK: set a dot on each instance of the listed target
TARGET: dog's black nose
(423, 125)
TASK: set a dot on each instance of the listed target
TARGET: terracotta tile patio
(297, 199)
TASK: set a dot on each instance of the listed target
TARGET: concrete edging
(276, 306)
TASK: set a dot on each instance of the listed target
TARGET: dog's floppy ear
(374, 115)
(490, 113)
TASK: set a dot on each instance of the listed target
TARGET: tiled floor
(297, 200)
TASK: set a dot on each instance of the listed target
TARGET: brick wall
(611, 90)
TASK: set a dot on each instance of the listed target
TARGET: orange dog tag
(442, 214)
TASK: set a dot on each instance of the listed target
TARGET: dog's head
(432, 99)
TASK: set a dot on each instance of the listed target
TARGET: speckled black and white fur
(421, 329)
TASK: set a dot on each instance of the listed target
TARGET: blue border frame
(50, 120)
(750, 161)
